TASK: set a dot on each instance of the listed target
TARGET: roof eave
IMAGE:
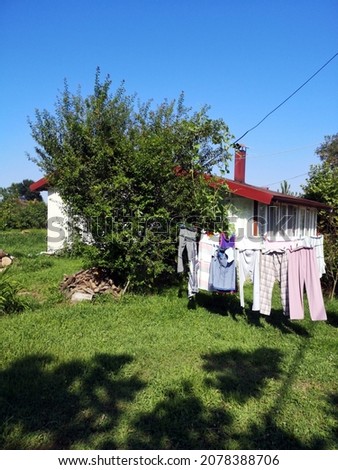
(249, 192)
(40, 185)
(299, 201)
(265, 196)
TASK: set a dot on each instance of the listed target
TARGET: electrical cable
(281, 151)
(287, 179)
(287, 99)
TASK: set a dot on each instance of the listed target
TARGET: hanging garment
(281, 246)
(248, 262)
(223, 271)
(207, 247)
(187, 240)
(245, 243)
(303, 271)
(317, 243)
(225, 242)
(274, 266)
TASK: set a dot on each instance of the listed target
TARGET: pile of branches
(85, 284)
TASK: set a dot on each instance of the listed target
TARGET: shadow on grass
(46, 407)
(183, 421)
(279, 321)
(332, 316)
(241, 375)
(221, 304)
(79, 404)
(180, 421)
(228, 305)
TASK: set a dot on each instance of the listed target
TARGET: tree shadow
(268, 435)
(241, 375)
(179, 421)
(182, 420)
(59, 407)
(187, 420)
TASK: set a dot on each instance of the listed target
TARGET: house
(255, 211)
(260, 212)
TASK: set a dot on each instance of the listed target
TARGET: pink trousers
(303, 271)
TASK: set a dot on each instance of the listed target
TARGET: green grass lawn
(147, 372)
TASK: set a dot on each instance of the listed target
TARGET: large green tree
(322, 185)
(134, 169)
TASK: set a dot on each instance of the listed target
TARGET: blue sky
(241, 57)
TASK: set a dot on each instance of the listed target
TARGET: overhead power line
(287, 99)
(281, 151)
(287, 179)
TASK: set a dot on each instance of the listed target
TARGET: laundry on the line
(220, 263)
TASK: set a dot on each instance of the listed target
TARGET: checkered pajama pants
(274, 266)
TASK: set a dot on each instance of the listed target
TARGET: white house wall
(61, 224)
(58, 222)
(304, 222)
(240, 216)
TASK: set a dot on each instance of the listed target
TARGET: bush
(18, 214)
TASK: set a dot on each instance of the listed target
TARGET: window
(272, 220)
(282, 220)
(259, 222)
(301, 222)
(292, 221)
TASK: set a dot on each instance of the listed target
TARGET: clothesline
(220, 263)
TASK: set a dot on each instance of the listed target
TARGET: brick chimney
(240, 157)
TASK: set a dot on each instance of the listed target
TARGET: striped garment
(274, 267)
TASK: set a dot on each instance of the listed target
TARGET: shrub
(10, 301)
(18, 214)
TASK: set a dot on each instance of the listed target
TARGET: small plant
(10, 301)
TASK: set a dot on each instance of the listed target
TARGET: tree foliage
(18, 214)
(328, 150)
(21, 208)
(322, 186)
(285, 188)
(20, 191)
(133, 171)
